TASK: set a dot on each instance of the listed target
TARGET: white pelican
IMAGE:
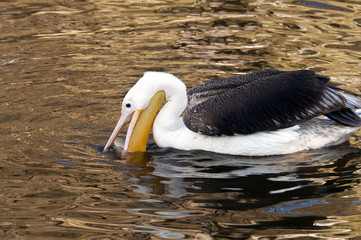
(258, 114)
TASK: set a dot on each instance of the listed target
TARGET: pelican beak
(141, 122)
(123, 120)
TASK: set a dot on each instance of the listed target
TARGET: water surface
(64, 68)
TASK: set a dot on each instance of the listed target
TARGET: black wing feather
(346, 117)
(207, 90)
(263, 101)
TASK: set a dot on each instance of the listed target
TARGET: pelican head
(139, 108)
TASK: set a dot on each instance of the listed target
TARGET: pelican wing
(207, 90)
(264, 101)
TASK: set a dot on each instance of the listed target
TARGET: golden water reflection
(65, 67)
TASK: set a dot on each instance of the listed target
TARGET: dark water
(64, 68)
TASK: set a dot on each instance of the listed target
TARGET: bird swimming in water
(257, 114)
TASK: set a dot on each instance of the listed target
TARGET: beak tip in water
(106, 149)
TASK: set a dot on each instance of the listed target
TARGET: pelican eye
(128, 105)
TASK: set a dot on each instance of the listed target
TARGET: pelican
(257, 114)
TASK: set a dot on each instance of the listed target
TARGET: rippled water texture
(64, 68)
